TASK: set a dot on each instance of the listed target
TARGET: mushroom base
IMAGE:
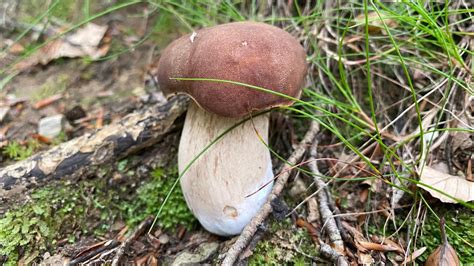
(227, 185)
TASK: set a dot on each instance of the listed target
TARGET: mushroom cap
(247, 52)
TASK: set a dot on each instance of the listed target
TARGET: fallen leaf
(142, 260)
(388, 242)
(444, 255)
(414, 255)
(85, 41)
(365, 259)
(455, 186)
(152, 261)
(377, 247)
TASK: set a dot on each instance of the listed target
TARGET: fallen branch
(249, 230)
(82, 156)
(327, 217)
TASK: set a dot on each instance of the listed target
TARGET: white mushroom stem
(217, 184)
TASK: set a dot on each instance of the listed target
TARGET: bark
(83, 156)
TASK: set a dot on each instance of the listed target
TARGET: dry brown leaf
(365, 259)
(142, 261)
(377, 247)
(152, 261)
(455, 186)
(414, 255)
(444, 255)
(148, 260)
(83, 42)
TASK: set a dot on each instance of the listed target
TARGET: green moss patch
(284, 244)
(459, 230)
(150, 197)
(66, 211)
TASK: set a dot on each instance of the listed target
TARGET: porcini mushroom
(217, 183)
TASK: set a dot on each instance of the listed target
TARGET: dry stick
(109, 245)
(125, 244)
(251, 228)
(327, 217)
(332, 254)
(82, 156)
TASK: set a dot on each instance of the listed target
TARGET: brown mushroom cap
(248, 52)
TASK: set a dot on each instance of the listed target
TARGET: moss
(460, 221)
(284, 244)
(54, 212)
(16, 151)
(149, 199)
(65, 211)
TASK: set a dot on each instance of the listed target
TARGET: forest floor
(374, 85)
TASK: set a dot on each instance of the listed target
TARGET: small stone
(51, 126)
(164, 238)
(203, 253)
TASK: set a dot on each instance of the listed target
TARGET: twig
(329, 223)
(328, 252)
(123, 247)
(107, 246)
(252, 227)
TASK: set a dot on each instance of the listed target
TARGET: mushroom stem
(217, 184)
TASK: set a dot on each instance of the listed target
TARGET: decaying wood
(249, 230)
(82, 156)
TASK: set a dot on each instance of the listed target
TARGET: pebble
(51, 126)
